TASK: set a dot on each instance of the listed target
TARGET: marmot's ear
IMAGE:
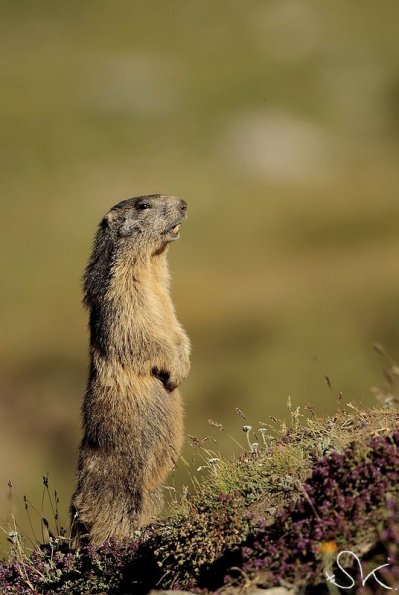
(108, 219)
(128, 227)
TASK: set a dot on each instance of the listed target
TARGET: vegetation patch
(277, 514)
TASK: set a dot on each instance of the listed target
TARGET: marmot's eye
(143, 205)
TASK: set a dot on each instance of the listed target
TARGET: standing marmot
(139, 354)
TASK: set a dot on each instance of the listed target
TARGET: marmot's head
(134, 229)
(147, 221)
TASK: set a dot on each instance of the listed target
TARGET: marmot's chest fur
(139, 355)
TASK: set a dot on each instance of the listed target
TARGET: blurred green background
(278, 122)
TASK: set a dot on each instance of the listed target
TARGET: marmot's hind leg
(80, 531)
(152, 504)
(98, 519)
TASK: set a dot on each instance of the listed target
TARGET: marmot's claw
(164, 377)
(170, 386)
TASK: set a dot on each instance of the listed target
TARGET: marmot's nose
(183, 205)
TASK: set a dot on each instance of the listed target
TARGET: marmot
(139, 355)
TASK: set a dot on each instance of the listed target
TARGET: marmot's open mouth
(174, 231)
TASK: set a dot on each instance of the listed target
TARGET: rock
(254, 591)
(170, 593)
(272, 591)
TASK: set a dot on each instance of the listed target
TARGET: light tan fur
(139, 355)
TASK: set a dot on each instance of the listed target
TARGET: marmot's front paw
(181, 363)
(181, 369)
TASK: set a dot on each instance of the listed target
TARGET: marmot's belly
(139, 418)
(162, 435)
(159, 416)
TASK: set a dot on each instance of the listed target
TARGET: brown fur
(139, 355)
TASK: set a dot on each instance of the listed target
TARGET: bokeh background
(278, 121)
